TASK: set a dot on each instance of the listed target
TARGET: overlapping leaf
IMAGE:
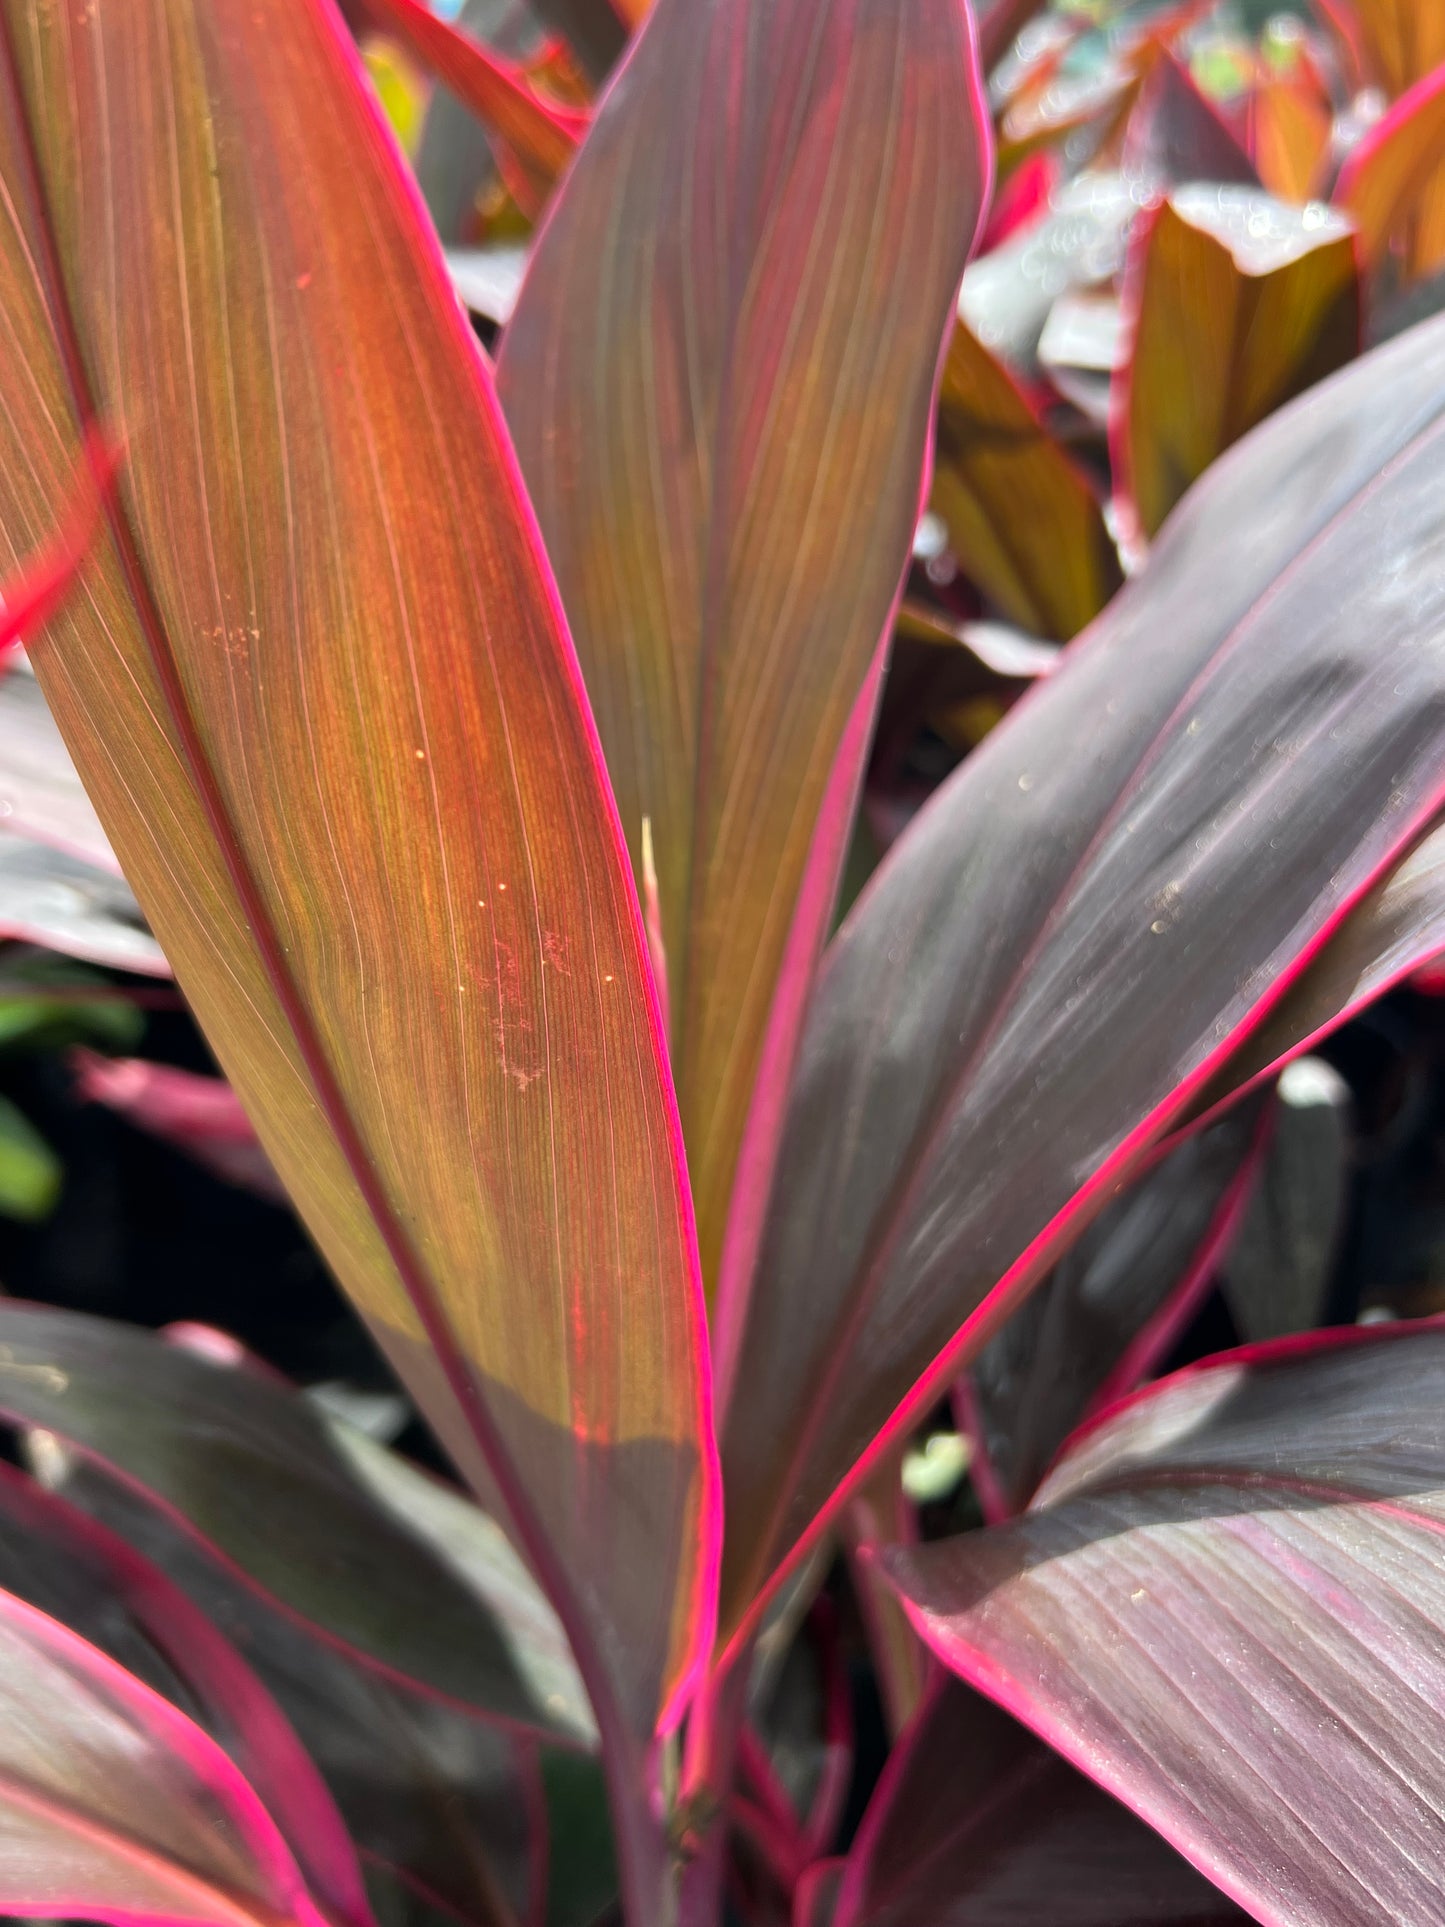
(1237, 303)
(115, 1807)
(1394, 42)
(365, 1551)
(1023, 522)
(444, 1808)
(1109, 1311)
(1289, 132)
(1073, 932)
(719, 375)
(76, 1572)
(1226, 1605)
(1393, 183)
(537, 137)
(1394, 929)
(320, 692)
(976, 1824)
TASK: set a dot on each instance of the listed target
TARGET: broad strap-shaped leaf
(444, 1808)
(1393, 182)
(975, 1823)
(1236, 302)
(73, 907)
(719, 374)
(1112, 1308)
(1394, 42)
(296, 1508)
(322, 696)
(1025, 525)
(64, 1564)
(1227, 1606)
(1394, 929)
(537, 137)
(116, 1807)
(1086, 918)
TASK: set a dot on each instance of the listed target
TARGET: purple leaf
(1227, 1606)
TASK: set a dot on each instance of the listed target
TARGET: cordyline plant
(507, 926)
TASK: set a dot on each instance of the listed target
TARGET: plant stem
(713, 1729)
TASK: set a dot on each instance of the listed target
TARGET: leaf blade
(694, 402)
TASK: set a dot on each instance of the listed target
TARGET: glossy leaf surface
(1111, 1308)
(115, 1807)
(976, 1824)
(1025, 525)
(1080, 923)
(65, 1565)
(719, 374)
(1237, 302)
(279, 1493)
(1394, 929)
(320, 691)
(1226, 1605)
(1393, 183)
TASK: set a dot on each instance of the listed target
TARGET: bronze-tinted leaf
(1393, 183)
(719, 375)
(1025, 525)
(1238, 302)
(319, 688)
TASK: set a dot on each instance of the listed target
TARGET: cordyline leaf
(1394, 42)
(1226, 1606)
(1176, 136)
(1236, 302)
(882, 1515)
(1112, 1308)
(115, 1807)
(975, 1824)
(1394, 929)
(1026, 527)
(1086, 918)
(815, 1899)
(320, 691)
(1289, 132)
(64, 1564)
(288, 1501)
(444, 1807)
(719, 374)
(541, 135)
(1393, 183)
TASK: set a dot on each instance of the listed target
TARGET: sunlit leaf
(1237, 303)
(719, 373)
(1082, 922)
(319, 688)
(1226, 1606)
(1393, 183)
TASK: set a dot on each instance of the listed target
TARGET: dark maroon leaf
(303, 1510)
(976, 1824)
(1227, 1606)
(1084, 920)
(1110, 1309)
